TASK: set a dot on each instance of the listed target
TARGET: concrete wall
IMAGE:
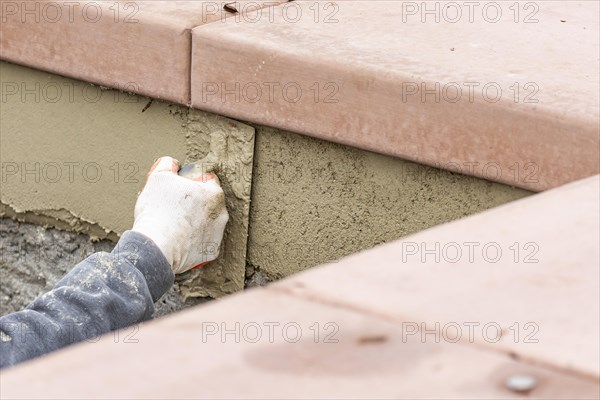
(314, 201)
(311, 201)
(75, 156)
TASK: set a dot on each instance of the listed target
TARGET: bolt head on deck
(521, 383)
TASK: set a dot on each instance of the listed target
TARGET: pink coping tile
(523, 276)
(511, 102)
(264, 344)
(136, 46)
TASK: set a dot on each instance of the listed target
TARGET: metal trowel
(196, 170)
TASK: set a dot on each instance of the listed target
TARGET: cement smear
(33, 259)
(227, 147)
(75, 156)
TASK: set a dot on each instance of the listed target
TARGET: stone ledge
(373, 61)
(140, 47)
(384, 81)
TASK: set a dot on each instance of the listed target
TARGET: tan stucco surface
(314, 201)
(77, 161)
(88, 151)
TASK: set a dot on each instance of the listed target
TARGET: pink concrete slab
(137, 46)
(525, 276)
(386, 76)
(265, 344)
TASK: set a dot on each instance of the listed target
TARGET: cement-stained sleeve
(105, 292)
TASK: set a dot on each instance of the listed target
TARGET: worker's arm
(104, 292)
(179, 224)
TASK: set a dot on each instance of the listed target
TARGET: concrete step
(527, 272)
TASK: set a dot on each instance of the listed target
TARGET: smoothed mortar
(78, 160)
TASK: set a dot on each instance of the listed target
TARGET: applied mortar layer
(314, 201)
(75, 156)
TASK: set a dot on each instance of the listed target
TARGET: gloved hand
(185, 218)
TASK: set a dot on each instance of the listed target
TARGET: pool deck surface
(384, 323)
(470, 305)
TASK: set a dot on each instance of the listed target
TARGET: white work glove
(185, 218)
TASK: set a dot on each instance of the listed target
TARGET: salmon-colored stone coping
(504, 91)
(355, 328)
(476, 92)
(136, 46)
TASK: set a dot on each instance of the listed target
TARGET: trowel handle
(190, 171)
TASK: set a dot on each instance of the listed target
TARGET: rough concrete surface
(33, 259)
(74, 156)
(314, 201)
(59, 156)
(227, 147)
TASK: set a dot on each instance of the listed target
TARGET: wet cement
(33, 259)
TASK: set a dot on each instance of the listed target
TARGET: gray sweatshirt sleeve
(104, 292)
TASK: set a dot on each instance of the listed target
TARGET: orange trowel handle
(200, 265)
